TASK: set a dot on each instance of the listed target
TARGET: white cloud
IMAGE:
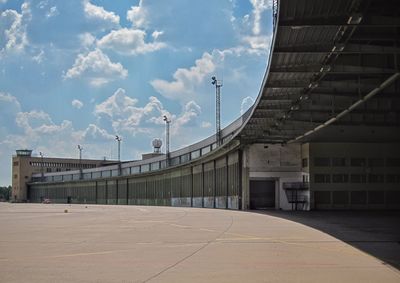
(87, 39)
(185, 80)
(97, 68)
(3, 1)
(258, 43)
(138, 15)
(128, 41)
(77, 104)
(156, 34)
(205, 124)
(93, 134)
(247, 102)
(12, 32)
(122, 111)
(127, 117)
(190, 112)
(9, 102)
(39, 57)
(259, 7)
(99, 13)
(53, 11)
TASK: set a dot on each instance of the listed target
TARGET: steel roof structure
(333, 62)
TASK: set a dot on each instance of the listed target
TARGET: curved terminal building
(324, 132)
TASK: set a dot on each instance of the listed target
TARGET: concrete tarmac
(98, 243)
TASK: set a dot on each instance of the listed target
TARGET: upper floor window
(322, 161)
(357, 162)
(338, 161)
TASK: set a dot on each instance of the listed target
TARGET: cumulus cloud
(126, 116)
(205, 124)
(185, 80)
(129, 42)
(157, 33)
(9, 107)
(53, 11)
(137, 15)
(93, 134)
(12, 32)
(38, 58)
(87, 39)
(247, 102)
(9, 103)
(259, 7)
(258, 44)
(191, 110)
(77, 104)
(97, 68)
(98, 13)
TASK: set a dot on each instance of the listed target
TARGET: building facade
(24, 166)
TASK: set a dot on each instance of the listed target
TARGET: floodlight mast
(167, 122)
(218, 85)
(119, 139)
(41, 167)
(80, 148)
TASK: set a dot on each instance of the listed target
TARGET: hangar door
(262, 194)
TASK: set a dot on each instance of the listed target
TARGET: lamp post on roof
(218, 85)
(119, 139)
(167, 122)
(80, 148)
(41, 165)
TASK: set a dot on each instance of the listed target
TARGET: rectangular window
(393, 178)
(304, 162)
(205, 150)
(322, 178)
(155, 166)
(393, 162)
(340, 178)
(96, 175)
(322, 161)
(174, 161)
(358, 178)
(48, 170)
(15, 176)
(376, 178)
(195, 154)
(376, 162)
(144, 168)
(357, 162)
(15, 163)
(135, 170)
(185, 158)
(338, 161)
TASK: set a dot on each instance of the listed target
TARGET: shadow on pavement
(374, 232)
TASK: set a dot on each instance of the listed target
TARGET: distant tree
(5, 193)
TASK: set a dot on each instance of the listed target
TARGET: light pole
(41, 167)
(167, 122)
(218, 85)
(80, 148)
(119, 139)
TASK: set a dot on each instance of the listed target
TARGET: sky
(82, 71)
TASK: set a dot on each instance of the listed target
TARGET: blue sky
(79, 72)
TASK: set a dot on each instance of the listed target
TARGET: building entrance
(262, 194)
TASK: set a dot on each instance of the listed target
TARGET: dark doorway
(69, 199)
(262, 194)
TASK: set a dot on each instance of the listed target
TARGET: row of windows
(354, 162)
(356, 178)
(61, 165)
